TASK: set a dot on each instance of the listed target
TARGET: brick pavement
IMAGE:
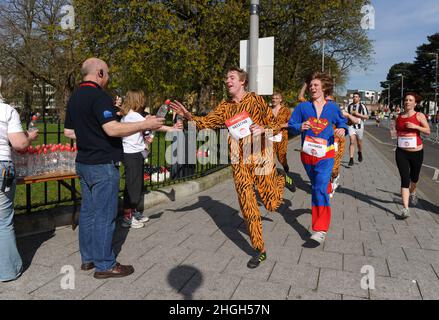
(198, 248)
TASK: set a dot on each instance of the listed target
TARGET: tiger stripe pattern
(245, 173)
(338, 156)
(281, 148)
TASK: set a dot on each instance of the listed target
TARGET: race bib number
(239, 125)
(407, 141)
(276, 138)
(315, 146)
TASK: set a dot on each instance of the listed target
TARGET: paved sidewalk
(198, 248)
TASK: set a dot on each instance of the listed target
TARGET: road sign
(265, 63)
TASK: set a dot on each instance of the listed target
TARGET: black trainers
(257, 259)
(360, 157)
(351, 162)
(289, 183)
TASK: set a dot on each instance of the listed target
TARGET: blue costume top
(321, 128)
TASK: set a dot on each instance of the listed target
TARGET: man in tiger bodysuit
(280, 142)
(244, 108)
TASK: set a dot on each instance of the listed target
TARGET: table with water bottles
(45, 163)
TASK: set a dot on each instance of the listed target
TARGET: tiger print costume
(338, 156)
(271, 185)
(281, 148)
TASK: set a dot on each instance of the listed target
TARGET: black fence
(172, 158)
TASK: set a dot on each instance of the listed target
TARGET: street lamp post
(435, 81)
(402, 89)
(253, 45)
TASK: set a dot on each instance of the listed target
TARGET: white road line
(436, 170)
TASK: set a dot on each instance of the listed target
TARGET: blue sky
(400, 27)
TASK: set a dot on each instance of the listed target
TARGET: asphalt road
(429, 179)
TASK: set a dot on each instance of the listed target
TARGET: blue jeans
(97, 220)
(10, 260)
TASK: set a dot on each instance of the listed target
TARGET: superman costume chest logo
(318, 125)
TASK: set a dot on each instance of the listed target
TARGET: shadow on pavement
(119, 238)
(28, 246)
(187, 277)
(226, 218)
(422, 203)
(367, 199)
(290, 217)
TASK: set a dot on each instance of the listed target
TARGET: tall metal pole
(402, 91)
(323, 50)
(253, 46)
(435, 85)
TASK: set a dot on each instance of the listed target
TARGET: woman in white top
(11, 135)
(134, 148)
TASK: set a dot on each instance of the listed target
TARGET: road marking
(436, 170)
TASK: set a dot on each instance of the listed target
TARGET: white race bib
(276, 138)
(315, 146)
(239, 125)
(407, 141)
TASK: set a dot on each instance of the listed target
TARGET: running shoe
(139, 216)
(132, 223)
(414, 199)
(405, 213)
(351, 162)
(360, 157)
(256, 260)
(319, 236)
(336, 183)
(331, 195)
(289, 183)
(316, 240)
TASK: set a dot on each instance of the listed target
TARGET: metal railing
(158, 172)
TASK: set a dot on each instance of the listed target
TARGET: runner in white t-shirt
(356, 129)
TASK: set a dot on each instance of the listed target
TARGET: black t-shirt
(88, 109)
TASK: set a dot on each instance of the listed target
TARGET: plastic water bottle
(161, 113)
(33, 124)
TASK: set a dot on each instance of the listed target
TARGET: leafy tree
(395, 82)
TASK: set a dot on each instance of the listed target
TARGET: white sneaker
(405, 212)
(319, 236)
(140, 217)
(336, 183)
(132, 223)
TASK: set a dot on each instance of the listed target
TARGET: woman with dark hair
(410, 151)
(314, 120)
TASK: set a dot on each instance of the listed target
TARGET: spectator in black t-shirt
(91, 120)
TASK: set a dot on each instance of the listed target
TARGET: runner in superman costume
(314, 120)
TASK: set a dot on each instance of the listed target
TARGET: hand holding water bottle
(33, 124)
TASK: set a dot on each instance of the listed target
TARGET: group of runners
(323, 127)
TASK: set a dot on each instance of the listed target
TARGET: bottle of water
(33, 124)
(161, 113)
